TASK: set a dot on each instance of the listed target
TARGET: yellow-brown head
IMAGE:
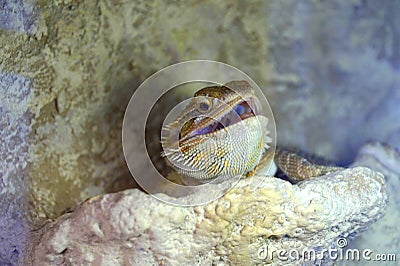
(221, 133)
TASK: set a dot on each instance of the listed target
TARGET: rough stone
(383, 236)
(15, 121)
(81, 60)
(131, 227)
(84, 59)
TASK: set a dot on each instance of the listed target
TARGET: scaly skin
(199, 148)
(297, 168)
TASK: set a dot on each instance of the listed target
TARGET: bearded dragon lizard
(223, 133)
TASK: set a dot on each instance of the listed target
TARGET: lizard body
(223, 133)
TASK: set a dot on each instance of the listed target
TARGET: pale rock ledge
(134, 228)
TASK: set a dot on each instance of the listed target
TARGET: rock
(131, 227)
(86, 65)
(79, 61)
(383, 236)
(83, 60)
(15, 122)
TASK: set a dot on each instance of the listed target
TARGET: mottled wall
(343, 58)
(329, 68)
(15, 122)
(82, 60)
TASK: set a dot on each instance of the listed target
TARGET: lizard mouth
(245, 109)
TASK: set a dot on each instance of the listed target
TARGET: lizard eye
(204, 105)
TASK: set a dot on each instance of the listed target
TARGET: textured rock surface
(15, 124)
(131, 227)
(383, 236)
(78, 62)
(84, 60)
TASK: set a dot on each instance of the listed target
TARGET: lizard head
(220, 133)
